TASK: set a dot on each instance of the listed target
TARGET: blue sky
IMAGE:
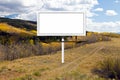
(102, 15)
(107, 5)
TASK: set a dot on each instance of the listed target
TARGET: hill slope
(78, 63)
(18, 27)
(28, 25)
(13, 30)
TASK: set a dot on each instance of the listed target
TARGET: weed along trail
(71, 66)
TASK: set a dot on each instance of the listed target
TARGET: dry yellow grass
(10, 29)
(48, 67)
(55, 46)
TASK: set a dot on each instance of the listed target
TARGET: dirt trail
(67, 67)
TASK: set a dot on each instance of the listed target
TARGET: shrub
(16, 51)
(37, 73)
(25, 47)
(21, 50)
(109, 68)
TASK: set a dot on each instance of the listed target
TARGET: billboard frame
(60, 34)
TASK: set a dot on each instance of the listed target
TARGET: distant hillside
(116, 35)
(16, 30)
(118, 32)
(16, 26)
(28, 25)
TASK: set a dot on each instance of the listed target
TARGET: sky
(101, 15)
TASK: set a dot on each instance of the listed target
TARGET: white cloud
(111, 13)
(117, 1)
(20, 7)
(26, 9)
(27, 16)
(104, 26)
(3, 14)
(71, 5)
(99, 9)
(28, 2)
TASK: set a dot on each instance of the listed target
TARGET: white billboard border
(61, 34)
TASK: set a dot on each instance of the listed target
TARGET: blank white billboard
(61, 24)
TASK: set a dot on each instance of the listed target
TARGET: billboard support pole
(62, 47)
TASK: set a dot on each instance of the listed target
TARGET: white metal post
(62, 46)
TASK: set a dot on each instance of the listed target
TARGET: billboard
(61, 24)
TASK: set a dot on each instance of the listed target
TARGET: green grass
(37, 73)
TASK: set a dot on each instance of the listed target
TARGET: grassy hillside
(78, 65)
(20, 31)
(18, 27)
(13, 30)
(28, 25)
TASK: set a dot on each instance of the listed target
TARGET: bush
(21, 50)
(20, 47)
(16, 51)
(109, 68)
(96, 38)
(37, 73)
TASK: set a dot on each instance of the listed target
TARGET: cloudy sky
(102, 15)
